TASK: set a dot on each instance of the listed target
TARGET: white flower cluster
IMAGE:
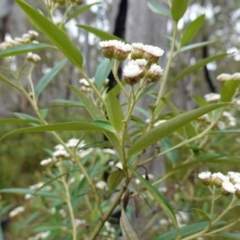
(26, 38)
(115, 49)
(109, 230)
(229, 183)
(231, 119)
(61, 152)
(40, 236)
(16, 211)
(85, 85)
(227, 77)
(227, 120)
(142, 59)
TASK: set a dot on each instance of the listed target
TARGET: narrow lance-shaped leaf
(184, 231)
(25, 48)
(99, 33)
(17, 121)
(114, 111)
(158, 9)
(157, 197)
(197, 66)
(6, 80)
(81, 10)
(127, 228)
(55, 34)
(93, 110)
(196, 45)
(228, 90)
(69, 103)
(102, 72)
(24, 191)
(47, 78)
(96, 114)
(191, 30)
(178, 9)
(169, 127)
(68, 126)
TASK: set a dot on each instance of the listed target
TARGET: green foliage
(83, 183)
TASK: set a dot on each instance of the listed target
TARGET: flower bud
(154, 73)
(132, 73)
(205, 178)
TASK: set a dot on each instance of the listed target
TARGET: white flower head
(154, 73)
(224, 77)
(16, 211)
(119, 165)
(101, 185)
(152, 53)
(79, 222)
(227, 188)
(60, 153)
(132, 73)
(36, 186)
(212, 97)
(236, 76)
(72, 143)
(109, 151)
(33, 34)
(63, 213)
(59, 147)
(204, 175)
(115, 49)
(46, 162)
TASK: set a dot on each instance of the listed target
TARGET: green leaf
(114, 111)
(114, 179)
(93, 110)
(184, 231)
(104, 124)
(25, 116)
(96, 113)
(202, 214)
(55, 34)
(47, 78)
(158, 9)
(196, 45)
(25, 48)
(102, 72)
(17, 121)
(5, 79)
(228, 90)
(23, 191)
(44, 113)
(191, 30)
(117, 89)
(178, 9)
(69, 103)
(197, 66)
(128, 231)
(157, 197)
(228, 236)
(165, 144)
(169, 127)
(200, 101)
(81, 10)
(99, 33)
(67, 126)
